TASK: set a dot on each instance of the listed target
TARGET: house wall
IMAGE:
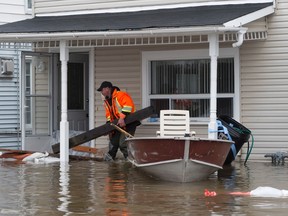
(10, 107)
(264, 86)
(70, 6)
(11, 11)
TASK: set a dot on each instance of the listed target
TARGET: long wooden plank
(15, 154)
(85, 149)
(104, 129)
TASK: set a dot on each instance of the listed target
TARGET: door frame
(37, 138)
(79, 57)
(91, 92)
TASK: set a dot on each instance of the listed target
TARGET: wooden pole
(121, 130)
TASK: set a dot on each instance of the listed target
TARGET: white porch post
(64, 124)
(213, 52)
(91, 93)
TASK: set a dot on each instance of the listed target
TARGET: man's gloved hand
(121, 122)
(111, 134)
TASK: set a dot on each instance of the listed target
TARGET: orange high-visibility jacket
(122, 104)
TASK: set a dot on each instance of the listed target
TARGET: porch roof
(222, 18)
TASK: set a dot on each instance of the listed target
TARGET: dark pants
(117, 140)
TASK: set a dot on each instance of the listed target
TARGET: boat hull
(184, 159)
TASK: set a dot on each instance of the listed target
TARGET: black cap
(104, 85)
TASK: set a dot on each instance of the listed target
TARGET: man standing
(118, 105)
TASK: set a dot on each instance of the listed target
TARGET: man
(118, 105)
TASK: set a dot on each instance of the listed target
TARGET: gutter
(33, 37)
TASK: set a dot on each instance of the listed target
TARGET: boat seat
(174, 123)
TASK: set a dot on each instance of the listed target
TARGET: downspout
(238, 43)
(240, 38)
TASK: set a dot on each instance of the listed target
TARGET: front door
(78, 104)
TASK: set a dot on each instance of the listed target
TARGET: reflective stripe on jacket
(121, 102)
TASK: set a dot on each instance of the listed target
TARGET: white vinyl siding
(12, 11)
(10, 107)
(10, 135)
(257, 26)
(121, 67)
(264, 86)
(48, 6)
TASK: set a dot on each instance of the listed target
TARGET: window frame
(148, 56)
(28, 63)
(28, 10)
(31, 128)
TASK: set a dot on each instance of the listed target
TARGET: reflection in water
(64, 188)
(99, 188)
(116, 190)
(26, 187)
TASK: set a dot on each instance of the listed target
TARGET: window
(181, 80)
(76, 96)
(28, 6)
(28, 90)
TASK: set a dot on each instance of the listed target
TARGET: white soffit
(250, 17)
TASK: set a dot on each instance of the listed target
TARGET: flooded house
(209, 57)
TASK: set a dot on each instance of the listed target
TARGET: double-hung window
(181, 80)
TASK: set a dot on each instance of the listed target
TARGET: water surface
(99, 188)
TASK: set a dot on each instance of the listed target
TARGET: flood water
(118, 188)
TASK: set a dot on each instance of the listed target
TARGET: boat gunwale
(179, 138)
